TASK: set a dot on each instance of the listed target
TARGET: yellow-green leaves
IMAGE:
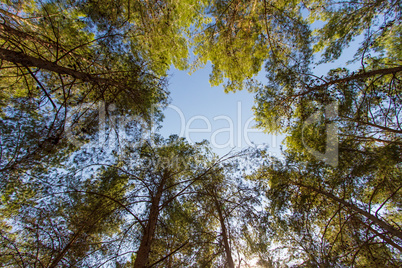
(243, 35)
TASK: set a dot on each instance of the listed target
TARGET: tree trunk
(224, 234)
(145, 247)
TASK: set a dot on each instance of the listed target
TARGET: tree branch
(29, 61)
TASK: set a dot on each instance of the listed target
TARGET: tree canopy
(70, 69)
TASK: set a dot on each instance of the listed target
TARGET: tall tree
(136, 205)
(231, 203)
(352, 202)
(57, 67)
(52, 61)
(174, 172)
(350, 211)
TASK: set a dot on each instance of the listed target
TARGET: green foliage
(245, 34)
(313, 210)
(157, 30)
(56, 68)
(165, 202)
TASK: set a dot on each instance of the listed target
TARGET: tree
(70, 70)
(210, 198)
(348, 212)
(342, 201)
(56, 70)
(230, 202)
(368, 97)
(67, 225)
(186, 178)
(106, 213)
(53, 62)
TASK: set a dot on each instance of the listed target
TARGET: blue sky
(199, 111)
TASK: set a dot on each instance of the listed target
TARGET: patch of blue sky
(199, 111)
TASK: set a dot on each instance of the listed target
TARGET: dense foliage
(76, 194)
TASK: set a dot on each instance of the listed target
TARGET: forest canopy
(70, 68)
